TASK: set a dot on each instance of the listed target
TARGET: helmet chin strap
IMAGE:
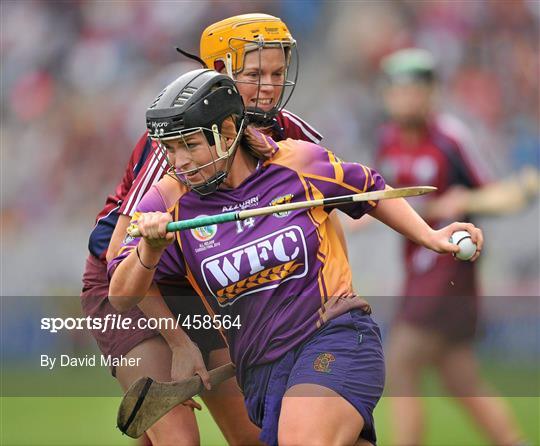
(228, 65)
(217, 140)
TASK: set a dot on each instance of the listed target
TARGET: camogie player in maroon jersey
(258, 51)
(437, 316)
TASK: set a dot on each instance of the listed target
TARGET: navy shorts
(345, 355)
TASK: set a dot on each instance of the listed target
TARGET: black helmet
(199, 98)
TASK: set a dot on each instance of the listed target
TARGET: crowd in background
(77, 78)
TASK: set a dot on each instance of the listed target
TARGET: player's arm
(401, 217)
(334, 177)
(132, 274)
(186, 357)
(151, 172)
(146, 176)
(133, 270)
(134, 278)
(497, 198)
(117, 236)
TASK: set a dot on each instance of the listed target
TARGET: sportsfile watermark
(50, 348)
(119, 322)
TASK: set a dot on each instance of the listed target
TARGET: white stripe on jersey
(105, 216)
(312, 134)
(310, 127)
(151, 176)
(131, 195)
(467, 147)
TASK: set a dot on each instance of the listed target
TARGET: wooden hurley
(248, 213)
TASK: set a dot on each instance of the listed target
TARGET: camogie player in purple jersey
(258, 51)
(307, 352)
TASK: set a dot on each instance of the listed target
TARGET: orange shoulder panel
(296, 155)
(171, 190)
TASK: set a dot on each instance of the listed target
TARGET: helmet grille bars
(184, 96)
(158, 97)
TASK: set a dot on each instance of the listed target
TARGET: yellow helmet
(224, 46)
(229, 40)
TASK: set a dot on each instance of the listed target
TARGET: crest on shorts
(322, 362)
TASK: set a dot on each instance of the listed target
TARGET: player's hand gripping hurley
(249, 213)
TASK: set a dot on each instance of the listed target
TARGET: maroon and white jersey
(106, 219)
(288, 125)
(443, 157)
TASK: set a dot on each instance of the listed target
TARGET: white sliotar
(467, 248)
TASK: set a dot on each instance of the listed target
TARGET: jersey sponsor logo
(323, 361)
(259, 265)
(281, 200)
(204, 233)
(250, 202)
(132, 226)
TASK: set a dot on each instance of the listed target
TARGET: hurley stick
(333, 201)
(146, 401)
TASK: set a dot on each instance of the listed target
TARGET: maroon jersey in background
(108, 216)
(440, 292)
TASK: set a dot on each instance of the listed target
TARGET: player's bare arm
(117, 237)
(133, 278)
(401, 217)
(502, 197)
(186, 356)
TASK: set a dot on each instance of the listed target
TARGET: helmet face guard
(217, 167)
(198, 103)
(224, 46)
(256, 113)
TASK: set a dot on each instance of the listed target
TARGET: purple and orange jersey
(146, 166)
(287, 125)
(281, 273)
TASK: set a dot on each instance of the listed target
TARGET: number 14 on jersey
(243, 224)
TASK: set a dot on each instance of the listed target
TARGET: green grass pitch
(91, 421)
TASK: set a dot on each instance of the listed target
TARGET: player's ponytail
(257, 143)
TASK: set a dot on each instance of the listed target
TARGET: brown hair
(252, 139)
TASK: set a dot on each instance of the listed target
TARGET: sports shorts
(345, 355)
(443, 300)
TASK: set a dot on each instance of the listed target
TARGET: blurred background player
(260, 53)
(437, 317)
